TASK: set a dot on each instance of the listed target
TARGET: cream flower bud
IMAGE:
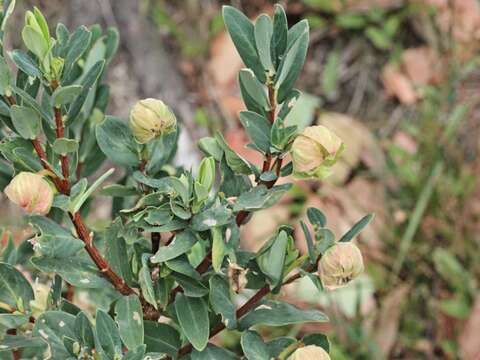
(314, 151)
(31, 192)
(339, 265)
(151, 118)
(310, 352)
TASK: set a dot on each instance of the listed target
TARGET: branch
(243, 310)
(63, 186)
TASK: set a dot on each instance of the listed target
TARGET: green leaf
(379, 38)
(8, 7)
(65, 95)
(182, 243)
(218, 248)
(221, 301)
(52, 326)
(13, 342)
(182, 265)
(77, 45)
(118, 190)
(74, 270)
(241, 31)
(161, 338)
(279, 38)
(257, 128)
(87, 84)
(253, 346)
(316, 217)
(212, 352)
(26, 121)
(115, 139)
(12, 321)
(325, 239)
(191, 287)
(15, 290)
(351, 21)
(116, 251)
(136, 354)
(30, 101)
(452, 270)
(129, 317)
(192, 314)
(295, 32)
(77, 202)
(260, 197)
(84, 331)
(146, 285)
(289, 103)
(276, 346)
(214, 216)
(292, 65)
(234, 161)
(64, 146)
(35, 42)
(310, 246)
(317, 340)
(277, 313)
(253, 92)
(263, 31)
(355, 230)
(210, 147)
(330, 74)
(107, 334)
(271, 259)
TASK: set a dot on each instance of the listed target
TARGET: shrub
(160, 279)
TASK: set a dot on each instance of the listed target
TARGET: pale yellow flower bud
(309, 352)
(31, 192)
(314, 151)
(339, 265)
(151, 118)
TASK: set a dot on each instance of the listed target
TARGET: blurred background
(399, 81)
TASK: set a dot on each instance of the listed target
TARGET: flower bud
(340, 264)
(31, 192)
(314, 151)
(151, 118)
(310, 352)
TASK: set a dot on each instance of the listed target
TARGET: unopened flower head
(339, 265)
(151, 118)
(315, 151)
(31, 192)
(310, 352)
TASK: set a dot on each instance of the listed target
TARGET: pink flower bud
(314, 151)
(310, 352)
(339, 265)
(31, 192)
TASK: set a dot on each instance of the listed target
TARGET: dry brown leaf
(469, 338)
(419, 65)
(398, 85)
(389, 318)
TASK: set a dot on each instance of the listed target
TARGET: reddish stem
(97, 258)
